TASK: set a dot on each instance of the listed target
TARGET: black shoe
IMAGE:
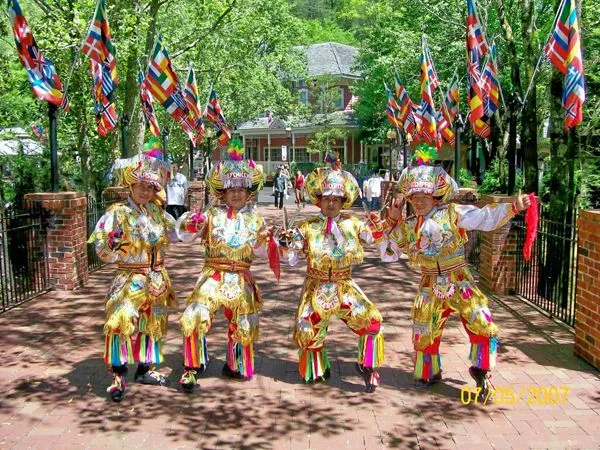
(369, 376)
(326, 376)
(116, 390)
(425, 383)
(144, 375)
(482, 378)
(234, 375)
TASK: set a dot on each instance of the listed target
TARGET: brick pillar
(196, 192)
(114, 193)
(498, 259)
(466, 196)
(587, 312)
(67, 235)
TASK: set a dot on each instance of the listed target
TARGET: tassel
(427, 366)
(230, 212)
(328, 227)
(195, 353)
(531, 226)
(273, 254)
(118, 352)
(483, 353)
(240, 358)
(313, 364)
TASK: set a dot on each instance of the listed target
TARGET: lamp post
(391, 136)
(288, 136)
(205, 150)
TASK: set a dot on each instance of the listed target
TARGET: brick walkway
(53, 380)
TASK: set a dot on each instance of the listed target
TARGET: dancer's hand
(194, 221)
(523, 201)
(396, 207)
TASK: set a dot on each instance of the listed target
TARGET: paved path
(53, 380)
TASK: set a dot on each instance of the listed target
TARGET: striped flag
(450, 106)
(98, 47)
(190, 94)
(148, 107)
(428, 115)
(475, 95)
(392, 108)
(214, 114)
(163, 84)
(564, 51)
(482, 128)
(106, 116)
(475, 38)
(41, 73)
(444, 129)
(490, 85)
(405, 108)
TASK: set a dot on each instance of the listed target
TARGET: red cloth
(531, 226)
(299, 181)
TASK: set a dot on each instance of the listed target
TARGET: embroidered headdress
(148, 166)
(325, 181)
(423, 178)
(235, 172)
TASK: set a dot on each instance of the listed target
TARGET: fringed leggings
(313, 356)
(482, 354)
(240, 357)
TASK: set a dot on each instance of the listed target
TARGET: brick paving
(53, 379)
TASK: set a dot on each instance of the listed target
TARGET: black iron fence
(95, 209)
(549, 278)
(23, 255)
(473, 248)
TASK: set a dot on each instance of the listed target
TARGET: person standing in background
(374, 187)
(279, 187)
(298, 188)
(177, 188)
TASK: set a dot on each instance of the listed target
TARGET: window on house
(338, 99)
(303, 96)
(275, 153)
(301, 155)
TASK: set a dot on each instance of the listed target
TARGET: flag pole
(558, 12)
(458, 128)
(53, 119)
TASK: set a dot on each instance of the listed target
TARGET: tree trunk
(528, 152)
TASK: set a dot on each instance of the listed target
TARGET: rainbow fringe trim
(117, 351)
(483, 354)
(370, 350)
(240, 358)
(427, 365)
(195, 353)
(148, 350)
(313, 363)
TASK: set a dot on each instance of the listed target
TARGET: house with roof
(275, 141)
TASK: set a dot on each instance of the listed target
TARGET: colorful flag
(190, 94)
(163, 84)
(490, 85)
(106, 116)
(148, 107)
(42, 75)
(444, 129)
(98, 47)
(475, 94)
(428, 116)
(564, 51)
(391, 108)
(481, 127)
(450, 106)
(405, 107)
(475, 38)
(214, 113)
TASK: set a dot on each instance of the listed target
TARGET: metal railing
(23, 255)
(95, 209)
(473, 248)
(549, 278)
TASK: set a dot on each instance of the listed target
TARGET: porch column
(345, 150)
